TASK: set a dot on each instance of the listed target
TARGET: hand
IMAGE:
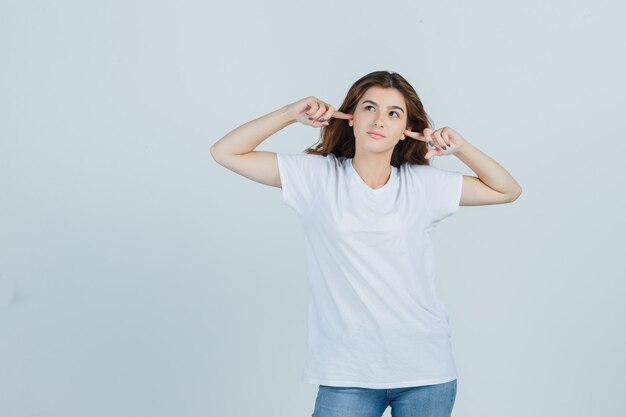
(314, 112)
(444, 141)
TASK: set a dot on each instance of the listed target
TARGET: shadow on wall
(9, 294)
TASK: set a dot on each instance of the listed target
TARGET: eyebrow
(390, 107)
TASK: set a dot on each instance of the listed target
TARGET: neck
(374, 169)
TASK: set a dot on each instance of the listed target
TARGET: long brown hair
(338, 137)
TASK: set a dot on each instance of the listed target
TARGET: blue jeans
(424, 401)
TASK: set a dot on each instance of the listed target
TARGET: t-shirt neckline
(364, 185)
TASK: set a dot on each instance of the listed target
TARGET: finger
(317, 117)
(411, 134)
(428, 135)
(415, 135)
(320, 118)
(317, 122)
(326, 116)
(313, 106)
(432, 141)
(317, 114)
(341, 115)
(322, 109)
(444, 135)
(439, 140)
(431, 153)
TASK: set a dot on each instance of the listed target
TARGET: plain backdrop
(138, 277)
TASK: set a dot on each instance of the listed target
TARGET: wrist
(286, 114)
(463, 149)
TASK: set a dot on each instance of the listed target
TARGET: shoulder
(304, 164)
(308, 161)
(422, 169)
(427, 175)
(304, 157)
(429, 170)
(419, 171)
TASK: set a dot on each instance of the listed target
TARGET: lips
(376, 135)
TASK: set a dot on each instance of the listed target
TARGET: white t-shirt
(374, 318)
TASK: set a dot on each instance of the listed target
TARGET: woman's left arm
(494, 185)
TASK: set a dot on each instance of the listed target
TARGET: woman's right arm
(236, 150)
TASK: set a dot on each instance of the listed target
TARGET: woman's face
(380, 110)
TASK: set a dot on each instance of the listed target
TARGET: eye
(397, 114)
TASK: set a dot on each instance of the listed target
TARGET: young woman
(368, 198)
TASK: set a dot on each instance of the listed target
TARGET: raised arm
(235, 151)
(493, 185)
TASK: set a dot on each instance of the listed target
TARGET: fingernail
(444, 148)
(430, 142)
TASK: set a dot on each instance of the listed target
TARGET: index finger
(341, 115)
(417, 135)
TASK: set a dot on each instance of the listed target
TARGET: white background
(140, 278)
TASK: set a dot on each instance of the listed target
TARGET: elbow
(215, 154)
(514, 196)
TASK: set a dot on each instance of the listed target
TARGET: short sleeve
(443, 192)
(301, 177)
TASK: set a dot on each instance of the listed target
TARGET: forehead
(384, 96)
